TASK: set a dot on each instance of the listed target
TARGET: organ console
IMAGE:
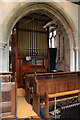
(28, 67)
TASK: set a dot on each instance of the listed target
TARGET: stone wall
(11, 12)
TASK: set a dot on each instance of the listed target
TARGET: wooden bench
(8, 99)
(53, 83)
(7, 95)
(29, 80)
(28, 67)
(56, 95)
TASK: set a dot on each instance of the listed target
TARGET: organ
(28, 67)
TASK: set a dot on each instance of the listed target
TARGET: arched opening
(58, 18)
(50, 18)
(64, 37)
(32, 33)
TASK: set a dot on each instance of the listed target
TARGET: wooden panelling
(6, 104)
(8, 99)
(6, 109)
(51, 85)
(20, 73)
(6, 96)
(28, 67)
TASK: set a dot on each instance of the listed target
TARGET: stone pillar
(4, 57)
(72, 60)
(74, 66)
(72, 51)
(0, 59)
(76, 58)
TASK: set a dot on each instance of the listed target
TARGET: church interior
(40, 73)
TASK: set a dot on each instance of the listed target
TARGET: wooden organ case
(26, 39)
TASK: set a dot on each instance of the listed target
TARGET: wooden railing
(55, 96)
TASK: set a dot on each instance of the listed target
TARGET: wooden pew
(7, 95)
(29, 81)
(29, 71)
(53, 83)
(29, 67)
(55, 96)
(8, 99)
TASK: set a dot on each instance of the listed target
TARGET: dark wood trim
(60, 73)
(27, 30)
(16, 51)
(48, 49)
(21, 57)
(46, 105)
(5, 73)
(20, 74)
(32, 39)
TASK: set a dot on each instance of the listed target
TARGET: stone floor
(24, 110)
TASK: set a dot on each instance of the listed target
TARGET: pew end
(55, 100)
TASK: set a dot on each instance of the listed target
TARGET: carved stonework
(5, 78)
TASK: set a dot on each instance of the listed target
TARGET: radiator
(71, 112)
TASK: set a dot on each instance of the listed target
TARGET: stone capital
(75, 49)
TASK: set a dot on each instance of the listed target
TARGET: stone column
(76, 50)
(4, 57)
(72, 60)
(0, 59)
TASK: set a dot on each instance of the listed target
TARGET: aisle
(24, 109)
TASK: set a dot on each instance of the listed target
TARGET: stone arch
(50, 9)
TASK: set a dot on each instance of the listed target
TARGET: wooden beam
(27, 30)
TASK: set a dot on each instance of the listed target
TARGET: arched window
(52, 39)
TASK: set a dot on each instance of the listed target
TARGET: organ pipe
(33, 39)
